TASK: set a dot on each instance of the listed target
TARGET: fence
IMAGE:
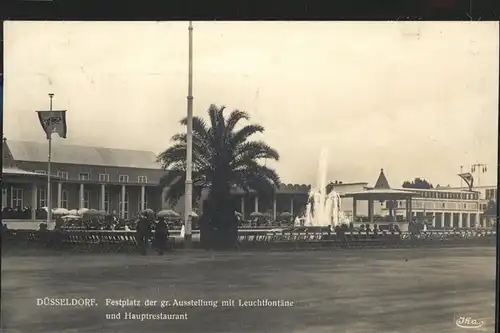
(125, 241)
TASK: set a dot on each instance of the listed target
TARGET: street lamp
(478, 168)
(189, 145)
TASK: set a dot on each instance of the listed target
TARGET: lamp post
(189, 145)
(461, 180)
(479, 168)
(49, 189)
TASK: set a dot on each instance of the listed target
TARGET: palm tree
(223, 159)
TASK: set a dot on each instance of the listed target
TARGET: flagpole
(189, 144)
(49, 190)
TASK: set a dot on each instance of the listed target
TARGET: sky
(418, 99)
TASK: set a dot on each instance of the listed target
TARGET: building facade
(447, 208)
(118, 181)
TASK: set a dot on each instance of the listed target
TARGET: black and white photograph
(249, 176)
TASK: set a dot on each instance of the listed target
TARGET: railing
(125, 241)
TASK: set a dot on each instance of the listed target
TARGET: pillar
(410, 209)
(4, 197)
(102, 205)
(59, 195)
(143, 197)
(354, 208)
(34, 203)
(434, 219)
(370, 210)
(274, 208)
(478, 220)
(291, 206)
(82, 195)
(243, 206)
(442, 219)
(256, 204)
(460, 222)
(122, 210)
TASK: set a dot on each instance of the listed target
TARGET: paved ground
(407, 290)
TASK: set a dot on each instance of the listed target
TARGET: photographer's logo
(468, 322)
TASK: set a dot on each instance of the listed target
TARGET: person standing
(143, 233)
(161, 235)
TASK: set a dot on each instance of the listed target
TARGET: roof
(382, 182)
(283, 189)
(447, 189)
(12, 171)
(379, 194)
(381, 191)
(30, 151)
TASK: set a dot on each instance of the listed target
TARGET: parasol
(60, 211)
(167, 213)
(256, 214)
(71, 217)
(148, 211)
(82, 211)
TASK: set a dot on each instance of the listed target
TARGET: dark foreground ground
(395, 290)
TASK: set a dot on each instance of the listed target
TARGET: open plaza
(394, 290)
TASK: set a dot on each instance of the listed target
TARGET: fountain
(323, 209)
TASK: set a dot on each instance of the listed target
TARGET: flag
(53, 122)
(468, 178)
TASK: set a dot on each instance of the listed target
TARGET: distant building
(115, 180)
(446, 207)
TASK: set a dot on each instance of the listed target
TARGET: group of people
(145, 226)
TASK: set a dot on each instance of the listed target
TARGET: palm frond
(243, 134)
(233, 119)
(253, 151)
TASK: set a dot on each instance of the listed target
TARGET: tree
(223, 158)
(419, 183)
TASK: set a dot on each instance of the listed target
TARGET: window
(42, 198)
(123, 178)
(142, 179)
(64, 199)
(62, 174)
(83, 176)
(104, 177)
(125, 203)
(42, 172)
(444, 205)
(17, 197)
(86, 199)
(145, 201)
